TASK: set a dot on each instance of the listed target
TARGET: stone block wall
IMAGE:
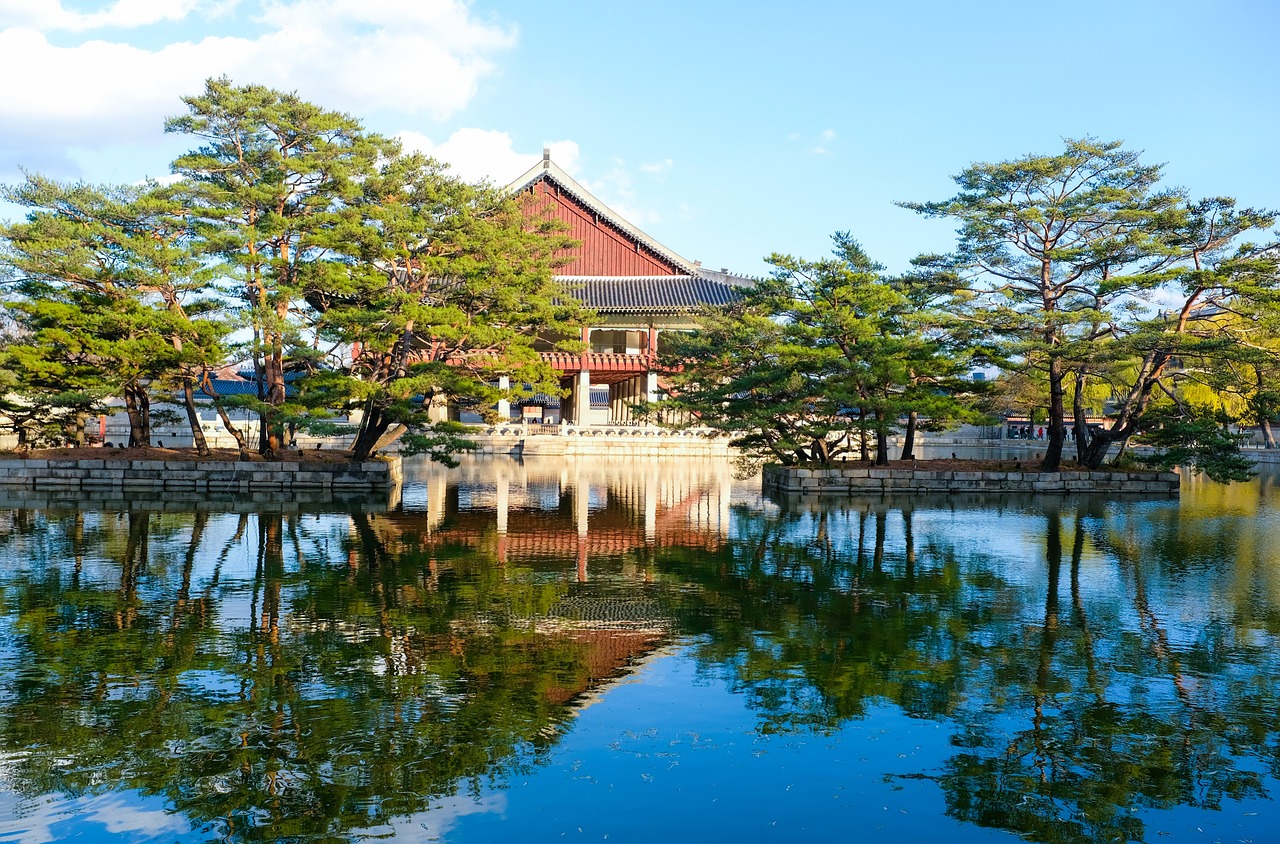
(198, 476)
(839, 480)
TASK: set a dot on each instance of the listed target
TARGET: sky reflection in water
(637, 651)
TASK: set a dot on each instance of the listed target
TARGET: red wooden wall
(605, 251)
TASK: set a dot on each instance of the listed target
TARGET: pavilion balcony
(604, 364)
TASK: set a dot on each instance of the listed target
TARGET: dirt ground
(104, 453)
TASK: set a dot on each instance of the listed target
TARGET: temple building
(639, 288)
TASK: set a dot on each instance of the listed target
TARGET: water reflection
(307, 675)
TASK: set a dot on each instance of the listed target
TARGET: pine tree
(1052, 242)
(447, 288)
(818, 359)
(266, 193)
(1069, 253)
(103, 284)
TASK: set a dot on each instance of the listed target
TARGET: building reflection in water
(1082, 664)
(550, 510)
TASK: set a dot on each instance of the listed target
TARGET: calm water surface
(641, 651)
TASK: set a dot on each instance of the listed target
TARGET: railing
(598, 361)
(568, 429)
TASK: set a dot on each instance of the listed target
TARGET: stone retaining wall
(199, 476)
(861, 481)
(118, 499)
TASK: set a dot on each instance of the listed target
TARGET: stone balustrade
(600, 441)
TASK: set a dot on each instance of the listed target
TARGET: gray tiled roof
(227, 387)
(666, 293)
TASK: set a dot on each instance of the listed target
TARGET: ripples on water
(640, 651)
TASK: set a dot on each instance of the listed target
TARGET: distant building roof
(662, 294)
(224, 387)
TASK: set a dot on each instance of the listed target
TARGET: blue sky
(726, 130)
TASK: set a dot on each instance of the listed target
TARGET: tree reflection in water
(321, 674)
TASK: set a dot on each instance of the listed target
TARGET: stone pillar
(650, 492)
(502, 505)
(581, 515)
(581, 398)
(438, 411)
(581, 508)
(437, 495)
(725, 490)
(502, 502)
(650, 388)
(504, 404)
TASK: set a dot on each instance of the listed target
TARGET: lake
(637, 651)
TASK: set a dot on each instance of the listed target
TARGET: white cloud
(410, 56)
(487, 154)
(121, 815)
(476, 154)
(50, 14)
(828, 134)
(616, 189)
(658, 168)
(445, 813)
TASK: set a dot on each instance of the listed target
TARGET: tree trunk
(1096, 452)
(77, 433)
(275, 394)
(1081, 418)
(193, 418)
(1057, 410)
(235, 432)
(138, 406)
(882, 442)
(863, 453)
(264, 424)
(1264, 422)
(1268, 437)
(372, 427)
(390, 436)
(909, 437)
(821, 452)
